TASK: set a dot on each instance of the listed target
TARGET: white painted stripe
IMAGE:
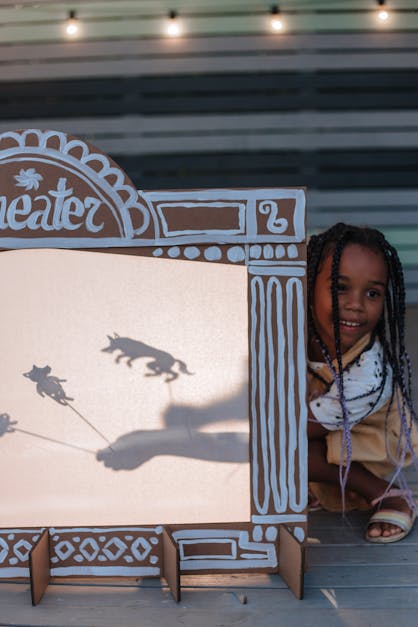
(107, 242)
(297, 424)
(106, 571)
(275, 270)
(158, 530)
(9, 573)
(203, 534)
(277, 519)
(303, 416)
(222, 541)
(263, 263)
(258, 376)
(275, 367)
(291, 416)
(239, 564)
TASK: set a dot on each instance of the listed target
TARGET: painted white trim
(275, 270)
(10, 573)
(106, 571)
(277, 519)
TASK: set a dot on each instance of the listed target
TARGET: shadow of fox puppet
(162, 362)
(48, 385)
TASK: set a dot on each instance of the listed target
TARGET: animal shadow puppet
(47, 385)
(162, 362)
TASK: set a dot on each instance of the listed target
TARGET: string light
(71, 26)
(173, 25)
(383, 13)
(276, 20)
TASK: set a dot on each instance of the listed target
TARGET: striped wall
(334, 111)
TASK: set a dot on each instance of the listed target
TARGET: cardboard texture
(171, 564)
(39, 567)
(291, 561)
(158, 373)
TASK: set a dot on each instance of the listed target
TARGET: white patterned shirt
(363, 382)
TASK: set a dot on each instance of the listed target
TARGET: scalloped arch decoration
(52, 184)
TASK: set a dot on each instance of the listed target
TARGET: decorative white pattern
(271, 317)
(274, 224)
(243, 553)
(106, 180)
(277, 352)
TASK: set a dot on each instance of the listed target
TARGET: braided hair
(390, 330)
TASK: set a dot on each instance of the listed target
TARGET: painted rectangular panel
(124, 390)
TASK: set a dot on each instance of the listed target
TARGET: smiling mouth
(347, 323)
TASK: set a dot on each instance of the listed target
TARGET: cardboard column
(171, 564)
(39, 567)
(291, 562)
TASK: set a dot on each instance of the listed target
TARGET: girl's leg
(359, 479)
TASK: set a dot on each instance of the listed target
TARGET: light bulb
(276, 21)
(382, 13)
(71, 27)
(173, 25)
(276, 24)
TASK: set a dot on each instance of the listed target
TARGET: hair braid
(390, 330)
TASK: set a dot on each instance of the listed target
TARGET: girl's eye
(341, 287)
(373, 293)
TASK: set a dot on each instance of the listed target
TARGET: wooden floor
(349, 583)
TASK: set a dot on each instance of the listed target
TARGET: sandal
(392, 516)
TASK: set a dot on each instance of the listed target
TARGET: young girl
(362, 425)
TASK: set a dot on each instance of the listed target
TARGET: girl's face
(361, 296)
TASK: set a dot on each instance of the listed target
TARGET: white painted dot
(173, 252)
(191, 252)
(102, 538)
(257, 533)
(128, 558)
(280, 251)
(54, 560)
(271, 534)
(292, 251)
(157, 252)
(13, 561)
(255, 251)
(299, 533)
(153, 559)
(35, 538)
(56, 538)
(159, 530)
(153, 540)
(11, 536)
(213, 253)
(268, 252)
(236, 254)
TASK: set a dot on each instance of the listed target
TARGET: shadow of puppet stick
(7, 426)
(89, 424)
(49, 385)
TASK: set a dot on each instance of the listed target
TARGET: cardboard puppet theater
(152, 417)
